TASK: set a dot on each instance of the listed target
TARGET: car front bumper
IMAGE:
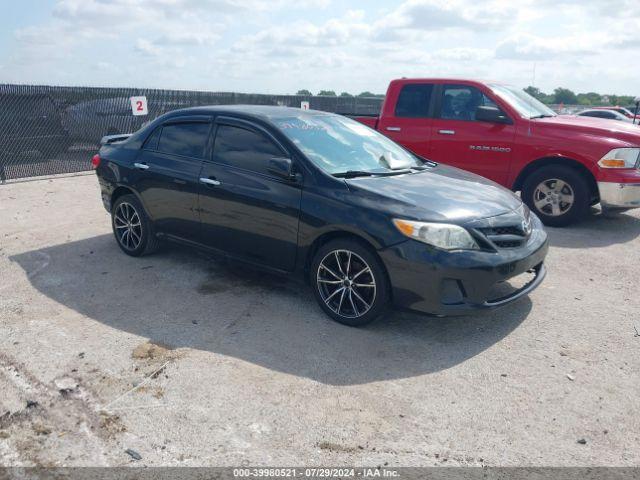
(459, 283)
(619, 195)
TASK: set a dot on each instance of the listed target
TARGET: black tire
(351, 303)
(133, 240)
(575, 187)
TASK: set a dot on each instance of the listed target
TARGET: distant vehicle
(562, 164)
(622, 110)
(31, 123)
(90, 121)
(607, 114)
(320, 196)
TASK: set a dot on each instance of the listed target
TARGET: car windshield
(339, 145)
(525, 104)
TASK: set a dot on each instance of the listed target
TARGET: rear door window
(186, 139)
(414, 100)
(244, 148)
(151, 143)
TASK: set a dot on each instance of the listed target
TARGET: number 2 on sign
(139, 106)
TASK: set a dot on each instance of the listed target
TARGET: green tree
(304, 92)
(589, 98)
(327, 93)
(535, 93)
(366, 94)
(346, 94)
(564, 95)
(621, 100)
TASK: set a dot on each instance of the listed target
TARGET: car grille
(504, 231)
(512, 236)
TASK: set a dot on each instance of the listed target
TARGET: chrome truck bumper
(619, 195)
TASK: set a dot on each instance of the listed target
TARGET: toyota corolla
(367, 223)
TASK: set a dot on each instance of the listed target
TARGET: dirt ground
(183, 359)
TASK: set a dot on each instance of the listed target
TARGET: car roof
(263, 112)
(599, 110)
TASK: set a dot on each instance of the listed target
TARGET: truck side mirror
(491, 115)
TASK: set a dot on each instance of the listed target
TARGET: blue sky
(280, 46)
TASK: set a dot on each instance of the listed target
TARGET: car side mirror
(492, 115)
(281, 167)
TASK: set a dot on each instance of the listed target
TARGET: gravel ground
(189, 360)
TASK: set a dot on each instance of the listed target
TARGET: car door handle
(447, 132)
(393, 129)
(209, 181)
(141, 166)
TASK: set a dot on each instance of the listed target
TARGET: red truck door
(407, 118)
(460, 140)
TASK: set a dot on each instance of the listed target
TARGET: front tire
(132, 227)
(349, 282)
(559, 195)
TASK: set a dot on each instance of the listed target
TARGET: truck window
(459, 102)
(413, 101)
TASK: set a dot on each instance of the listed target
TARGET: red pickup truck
(562, 164)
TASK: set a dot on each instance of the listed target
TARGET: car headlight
(620, 158)
(441, 235)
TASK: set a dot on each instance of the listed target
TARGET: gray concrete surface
(235, 367)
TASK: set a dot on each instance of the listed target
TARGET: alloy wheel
(127, 226)
(346, 283)
(553, 197)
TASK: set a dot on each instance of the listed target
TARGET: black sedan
(321, 196)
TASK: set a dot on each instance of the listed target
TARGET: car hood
(591, 126)
(443, 193)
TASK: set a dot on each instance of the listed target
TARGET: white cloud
(283, 45)
(334, 32)
(464, 54)
(185, 37)
(433, 15)
(148, 48)
(528, 47)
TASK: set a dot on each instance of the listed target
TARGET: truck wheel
(349, 282)
(559, 195)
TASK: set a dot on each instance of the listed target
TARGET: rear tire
(132, 227)
(349, 282)
(559, 195)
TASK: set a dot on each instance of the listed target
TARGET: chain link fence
(47, 130)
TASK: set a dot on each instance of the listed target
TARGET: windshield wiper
(352, 174)
(364, 173)
(542, 115)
